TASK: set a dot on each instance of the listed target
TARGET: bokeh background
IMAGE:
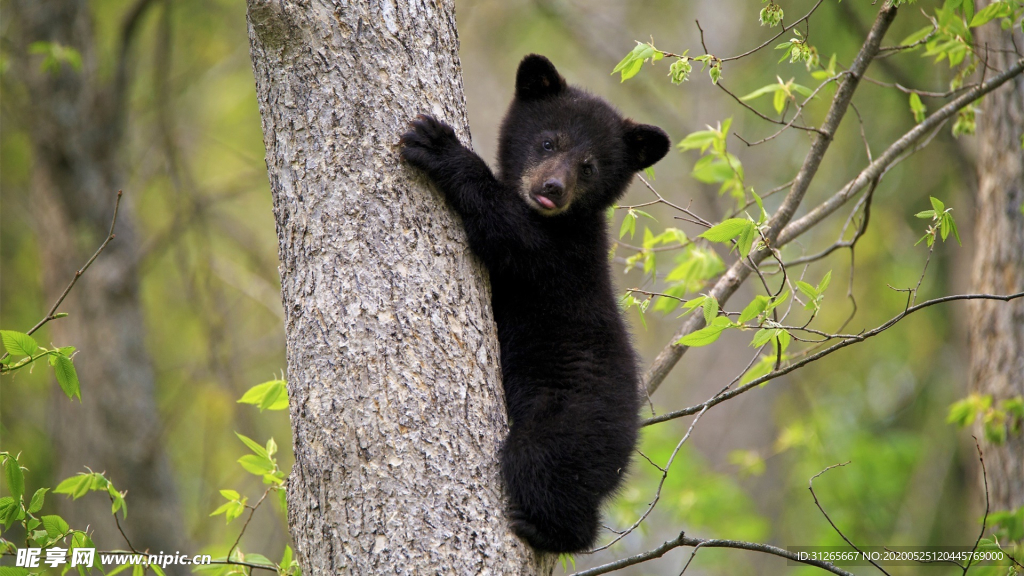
(196, 186)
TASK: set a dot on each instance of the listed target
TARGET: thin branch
(846, 342)
(252, 510)
(661, 484)
(53, 309)
(774, 38)
(683, 540)
(734, 277)
(984, 520)
(810, 486)
(806, 222)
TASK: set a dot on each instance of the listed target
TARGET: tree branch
(683, 540)
(734, 277)
(53, 309)
(859, 338)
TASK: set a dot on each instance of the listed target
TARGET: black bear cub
(570, 375)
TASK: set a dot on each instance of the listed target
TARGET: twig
(661, 484)
(846, 342)
(734, 277)
(810, 486)
(683, 540)
(984, 520)
(252, 510)
(773, 38)
(53, 309)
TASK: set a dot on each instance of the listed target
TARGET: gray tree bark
(75, 121)
(997, 328)
(393, 375)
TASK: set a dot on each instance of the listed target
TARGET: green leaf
(272, 395)
(15, 477)
(18, 343)
(782, 339)
(917, 107)
(628, 224)
(952, 225)
(10, 511)
(726, 230)
(701, 337)
(67, 377)
(761, 337)
(779, 101)
(710, 307)
(916, 36)
(746, 240)
(255, 558)
(927, 214)
(769, 89)
(256, 465)
(75, 486)
(806, 288)
(55, 526)
(253, 445)
(756, 307)
(990, 12)
(715, 72)
(701, 139)
(36, 504)
(937, 205)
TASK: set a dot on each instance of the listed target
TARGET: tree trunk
(393, 373)
(997, 328)
(75, 123)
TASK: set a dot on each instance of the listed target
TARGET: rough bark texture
(393, 374)
(76, 126)
(997, 328)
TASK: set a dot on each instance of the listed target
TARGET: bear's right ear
(537, 78)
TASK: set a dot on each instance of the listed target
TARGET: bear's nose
(554, 187)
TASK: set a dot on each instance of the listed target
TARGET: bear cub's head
(568, 151)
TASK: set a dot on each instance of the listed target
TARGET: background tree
(997, 330)
(394, 382)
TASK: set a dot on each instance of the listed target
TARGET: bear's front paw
(427, 142)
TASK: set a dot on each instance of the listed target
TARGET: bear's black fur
(570, 375)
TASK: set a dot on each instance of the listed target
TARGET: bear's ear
(537, 78)
(645, 144)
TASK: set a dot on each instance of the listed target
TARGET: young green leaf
(36, 504)
(710, 307)
(755, 308)
(254, 446)
(66, 376)
(15, 477)
(726, 230)
(917, 108)
(18, 343)
(991, 12)
(55, 526)
(272, 395)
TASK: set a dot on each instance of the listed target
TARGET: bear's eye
(548, 145)
(588, 170)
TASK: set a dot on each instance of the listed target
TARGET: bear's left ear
(537, 78)
(645, 144)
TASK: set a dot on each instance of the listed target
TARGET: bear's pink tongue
(545, 202)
